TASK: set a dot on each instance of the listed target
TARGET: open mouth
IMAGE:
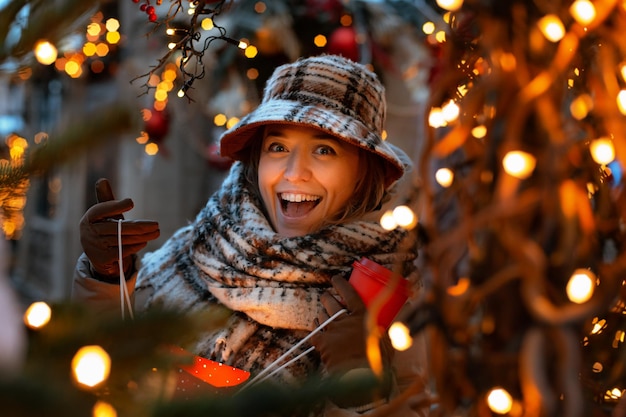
(298, 205)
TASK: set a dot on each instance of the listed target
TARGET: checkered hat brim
(327, 92)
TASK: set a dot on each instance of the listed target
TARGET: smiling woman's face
(306, 177)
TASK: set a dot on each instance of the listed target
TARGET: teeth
(298, 198)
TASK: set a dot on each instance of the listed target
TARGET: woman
(271, 243)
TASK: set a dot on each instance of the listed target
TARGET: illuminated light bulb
(581, 106)
(436, 118)
(103, 409)
(37, 315)
(551, 27)
(112, 25)
(450, 5)
(171, 45)
(89, 49)
(113, 37)
(499, 401)
(621, 101)
(181, 93)
(320, 41)
(151, 148)
(583, 11)
(444, 177)
(479, 132)
(388, 221)
(597, 367)
(404, 217)
(251, 51)
(519, 164)
(220, 119)
(242, 45)
(170, 31)
(207, 23)
(232, 122)
(580, 286)
(602, 150)
(45, 52)
(94, 29)
(450, 111)
(428, 28)
(143, 139)
(400, 336)
(91, 365)
(440, 36)
(102, 49)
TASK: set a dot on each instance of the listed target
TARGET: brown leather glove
(99, 229)
(342, 343)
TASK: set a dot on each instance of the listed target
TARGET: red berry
(152, 17)
(150, 9)
(143, 7)
(135, 1)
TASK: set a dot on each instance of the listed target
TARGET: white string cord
(290, 351)
(124, 296)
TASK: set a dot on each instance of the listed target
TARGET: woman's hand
(99, 233)
(342, 343)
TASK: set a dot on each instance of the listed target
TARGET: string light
(583, 11)
(37, 315)
(451, 5)
(602, 150)
(444, 177)
(400, 336)
(45, 52)
(404, 217)
(91, 365)
(580, 286)
(388, 221)
(519, 164)
(552, 27)
(103, 409)
(499, 401)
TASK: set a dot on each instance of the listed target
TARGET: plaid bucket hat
(328, 92)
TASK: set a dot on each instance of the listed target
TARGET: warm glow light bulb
(444, 177)
(242, 45)
(388, 221)
(151, 148)
(551, 27)
(580, 286)
(436, 118)
(451, 5)
(400, 336)
(103, 409)
(91, 365)
(207, 23)
(404, 217)
(519, 164)
(479, 132)
(450, 111)
(583, 11)
(428, 28)
(602, 150)
(251, 51)
(499, 401)
(37, 315)
(45, 52)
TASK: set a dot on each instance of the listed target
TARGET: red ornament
(157, 125)
(343, 42)
(216, 160)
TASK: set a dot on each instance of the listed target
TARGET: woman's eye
(276, 147)
(326, 150)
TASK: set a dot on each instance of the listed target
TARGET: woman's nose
(298, 167)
